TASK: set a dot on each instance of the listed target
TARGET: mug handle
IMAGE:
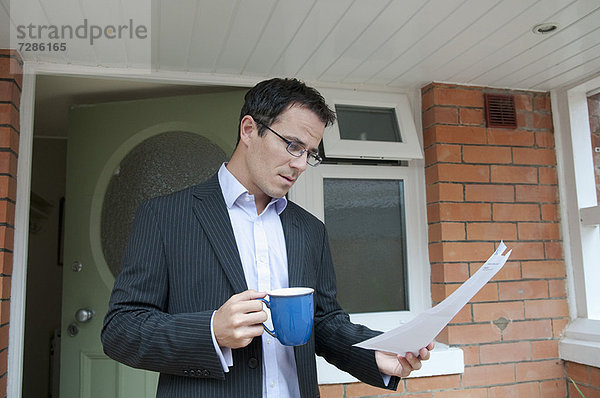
(268, 304)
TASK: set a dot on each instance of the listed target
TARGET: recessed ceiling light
(545, 28)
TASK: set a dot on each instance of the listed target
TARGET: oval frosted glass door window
(160, 165)
(366, 226)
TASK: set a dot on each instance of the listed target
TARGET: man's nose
(299, 163)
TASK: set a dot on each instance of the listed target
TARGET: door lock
(84, 315)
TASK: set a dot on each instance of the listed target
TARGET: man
(185, 303)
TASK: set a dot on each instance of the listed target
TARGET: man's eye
(295, 147)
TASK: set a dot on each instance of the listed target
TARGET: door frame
(31, 70)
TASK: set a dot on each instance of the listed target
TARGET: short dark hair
(270, 98)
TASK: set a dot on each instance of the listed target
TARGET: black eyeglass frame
(310, 157)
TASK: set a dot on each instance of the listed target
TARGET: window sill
(444, 361)
(581, 342)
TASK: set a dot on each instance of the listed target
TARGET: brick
(444, 192)
(465, 211)
(553, 250)
(449, 172)
(542, 121)
(433, 213)
(595, 376)
(5, 286)
(524, 102)
(427, 98)
(483, 312)
(489, 193)
(525, 330)
(446, 231)
(510, 271)
(548, 175)
(472, 116)
(541, 102)
(331, 390)
(505, 352)
(7, 238)
(8, 163)
(365, 390)
(544, 139)
(458, 97)
(526, 250)
(538, 231)
(9, 115)
(588, 392)
(469, 334)
(558, 327)
(433, 383)
(4, 336)
(454, 135)
(544, 349)
(7, 212)
(491, 231)
(529, 390)
(578, 372)
(510, 137)
(11, 68)
(6, 262)
(538, 194)
(542, 370)
(525, 120)
(8, 187)
(464, 393)
(523, 290)
(449, 272)
(471, 354)
(464, 251)
(487, 154)
(515, 212)
(463, 316)
(543, 269)
(554, 388)
(9, 139)
(485, 375)
(551, 308)
(557, 288)
(538, 157)
(514, 174)
(487, 293)
(443, 153)
(550, 212)
(4, 311)
(440, 115)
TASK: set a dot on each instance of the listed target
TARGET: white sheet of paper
(416, 334)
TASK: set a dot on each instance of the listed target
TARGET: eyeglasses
(295, 149)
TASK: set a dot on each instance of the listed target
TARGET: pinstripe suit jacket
(182, 263)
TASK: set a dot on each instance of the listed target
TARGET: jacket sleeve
(335, 333)
(138, 329)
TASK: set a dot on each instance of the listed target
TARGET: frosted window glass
(160, 165)
(366, 225)
(368, 123)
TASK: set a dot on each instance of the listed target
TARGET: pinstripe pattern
(181, 264)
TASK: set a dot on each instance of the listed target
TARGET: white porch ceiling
(390, 44)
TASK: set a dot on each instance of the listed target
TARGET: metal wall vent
(500, 111)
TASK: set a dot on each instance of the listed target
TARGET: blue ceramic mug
(292, 312)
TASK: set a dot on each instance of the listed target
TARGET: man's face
(271, 169)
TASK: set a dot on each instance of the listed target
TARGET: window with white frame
(375, 216)
(580, 215)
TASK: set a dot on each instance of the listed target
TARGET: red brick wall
(484, 185)
(10, 94)
(587, 378)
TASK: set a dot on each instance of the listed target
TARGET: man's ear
(247, 129)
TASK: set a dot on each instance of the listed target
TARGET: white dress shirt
(262, 249)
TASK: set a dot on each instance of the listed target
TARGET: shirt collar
(232, 189)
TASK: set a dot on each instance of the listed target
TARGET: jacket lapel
(295, 246)
(211, 211)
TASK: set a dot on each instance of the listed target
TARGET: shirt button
(268, 341)
(252, 363)
(272, 384)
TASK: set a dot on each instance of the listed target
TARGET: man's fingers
(415, 363)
